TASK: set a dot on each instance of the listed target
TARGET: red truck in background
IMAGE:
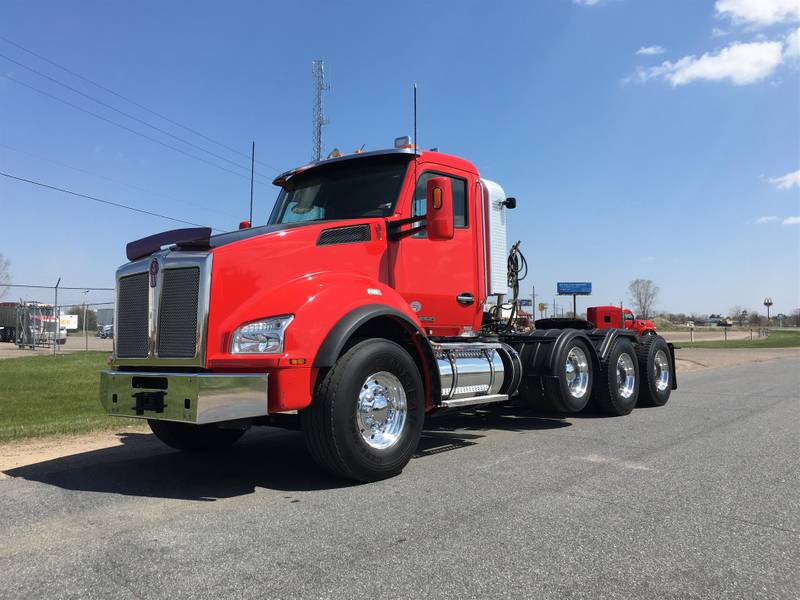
(360, 307)
(610, 317)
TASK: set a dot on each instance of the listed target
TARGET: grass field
(46, 395)
(776, 339)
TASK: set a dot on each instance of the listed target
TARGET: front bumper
(187, 397)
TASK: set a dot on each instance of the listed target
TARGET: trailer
(30, 324)
(360, 308)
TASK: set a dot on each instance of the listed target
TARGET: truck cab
(610, 317)
(358, 307)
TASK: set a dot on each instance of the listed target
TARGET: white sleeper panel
(496, 230)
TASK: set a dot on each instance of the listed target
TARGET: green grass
(776, 339)
(53, 395)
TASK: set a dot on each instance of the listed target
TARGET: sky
(643, 139)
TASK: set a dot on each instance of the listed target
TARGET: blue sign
(582, 288)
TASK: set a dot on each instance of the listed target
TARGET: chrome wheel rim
(661, 371)
(576, 372)
(626, 375)
(382, 410)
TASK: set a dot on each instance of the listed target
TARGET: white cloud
(587, 2)
(791, 221)
(717, 32)
(759, 13)
(742, 63)
(650, 50)
(791, 51)
(786, 182)
(762, 220)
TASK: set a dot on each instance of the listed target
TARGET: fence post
(726, 334)
(751, 334)
(691, 334)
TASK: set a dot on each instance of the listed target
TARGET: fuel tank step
(474, 400)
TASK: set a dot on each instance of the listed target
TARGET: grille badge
(153, 272)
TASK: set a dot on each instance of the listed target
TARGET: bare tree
(738, 314)
(643, 293)
(5, 275)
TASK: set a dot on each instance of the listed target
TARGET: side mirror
(244, 225)
(439, 214)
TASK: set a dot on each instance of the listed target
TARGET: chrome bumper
(188, 397)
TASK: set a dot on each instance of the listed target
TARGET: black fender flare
(338, 336)
(566, 336)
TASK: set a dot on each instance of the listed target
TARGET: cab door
(439, 279)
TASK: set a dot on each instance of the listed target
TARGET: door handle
(465, 298)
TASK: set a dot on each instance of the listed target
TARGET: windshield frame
(358, 162)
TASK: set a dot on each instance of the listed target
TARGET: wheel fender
(563, 339)
(348, 324)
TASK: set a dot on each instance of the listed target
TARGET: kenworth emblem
(153, 272)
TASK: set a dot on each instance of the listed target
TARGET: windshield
(352, 189)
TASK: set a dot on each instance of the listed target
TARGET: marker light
(261, 337)
(403, 142)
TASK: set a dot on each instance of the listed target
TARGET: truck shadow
(265, 458)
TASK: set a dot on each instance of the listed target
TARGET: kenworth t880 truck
(359, 308)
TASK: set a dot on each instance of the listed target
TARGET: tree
(5, 275)
(91, 316)
(643, 293)
(754, 319)
(738, 314)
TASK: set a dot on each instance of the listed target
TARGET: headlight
(261, 337)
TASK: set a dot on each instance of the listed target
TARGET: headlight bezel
(261, 336)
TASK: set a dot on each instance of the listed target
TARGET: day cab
(358, 308)
(610, 317)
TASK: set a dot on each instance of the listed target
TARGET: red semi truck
(358, 308)
(611, 317)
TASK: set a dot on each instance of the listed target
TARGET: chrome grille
(177, 314)
(132, 308)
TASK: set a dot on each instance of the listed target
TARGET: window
(606, 318)
(351, 189)
(459, 187)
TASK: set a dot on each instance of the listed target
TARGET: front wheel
(185, 436)
(367, 413)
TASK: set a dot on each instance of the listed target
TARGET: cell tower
(318, 119)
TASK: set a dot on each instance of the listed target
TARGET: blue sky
(642, 139)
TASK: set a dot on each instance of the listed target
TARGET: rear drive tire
(185, 436)
(365, 420)
(655, 366)
(618, 384)
(571, 389)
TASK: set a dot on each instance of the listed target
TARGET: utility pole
(57, 329)
(318, 120)
(85, 332)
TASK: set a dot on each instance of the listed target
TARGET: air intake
(344, 235)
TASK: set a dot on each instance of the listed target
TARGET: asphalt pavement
(698, 499)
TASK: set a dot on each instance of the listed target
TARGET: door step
(473, 400)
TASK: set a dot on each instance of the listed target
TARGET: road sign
(541, 306)
(569, 288)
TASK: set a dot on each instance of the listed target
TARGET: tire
(345, 433)
(185, 436)
(571, 389)
(656, 368)
(616, 395)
